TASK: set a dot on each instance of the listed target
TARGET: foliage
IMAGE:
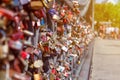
(108, 12)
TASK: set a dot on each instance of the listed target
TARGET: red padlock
(24, 54)
(65, 21)
(9, 14)
(17, 36)
(40, 13)
(6, 1)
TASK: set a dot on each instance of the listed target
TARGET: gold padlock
(36, 5)
(45, 3)
(36, 76)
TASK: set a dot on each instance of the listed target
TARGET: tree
(106, 12)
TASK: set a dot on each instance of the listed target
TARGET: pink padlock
(44, 38)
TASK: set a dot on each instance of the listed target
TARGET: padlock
(53, 70)
(44, 38)
(4, 50)
(38, 63)
(64, 48)
(42, 21)
(2, 35)
(46, 48)
(17, 45)
(60, 30)
(55, 17)
(9, 14)
(17, 36)
(65, 21)
(60, 68)
(36, 5)
(65, 7)
(70, 15)
(47, 3)
(49, 34)
(36, 77)
(62, 13)
(52, 12)
(24, 55)
(29, 33)
(27, 43)
(3, 45)
(7, 2)
(16, 2)
(23, 2)
(40, 13)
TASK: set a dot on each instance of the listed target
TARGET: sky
(99, 1)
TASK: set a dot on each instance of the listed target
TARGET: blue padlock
(42, 21)
(16, 3)
(52, 11)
